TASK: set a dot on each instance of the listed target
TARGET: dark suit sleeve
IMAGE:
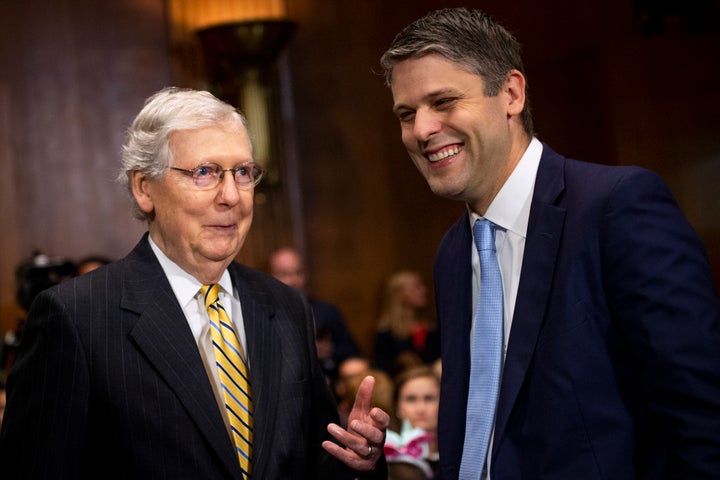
(666, 319)
(44, 429)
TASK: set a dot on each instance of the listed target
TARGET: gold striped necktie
(234, 379)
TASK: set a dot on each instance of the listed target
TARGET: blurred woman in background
(406, 334)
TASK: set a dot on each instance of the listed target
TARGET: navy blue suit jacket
(109, 383)
(613, 361)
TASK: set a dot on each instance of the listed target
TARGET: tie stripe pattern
(486, 356)
(234, 379)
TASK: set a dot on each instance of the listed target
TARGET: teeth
(436, 157)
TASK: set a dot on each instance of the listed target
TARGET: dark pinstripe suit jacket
(109, 383)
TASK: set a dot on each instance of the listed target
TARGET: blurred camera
(38, 273)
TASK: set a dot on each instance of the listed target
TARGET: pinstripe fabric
(111, 351)
(232, 369)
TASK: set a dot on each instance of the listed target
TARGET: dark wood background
(616, 82)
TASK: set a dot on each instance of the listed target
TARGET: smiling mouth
(444, 153)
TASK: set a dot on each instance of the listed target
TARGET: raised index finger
(363, 397)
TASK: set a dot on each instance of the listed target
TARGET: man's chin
(223, 254)
(443, 190)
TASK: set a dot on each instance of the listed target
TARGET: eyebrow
(219, 159)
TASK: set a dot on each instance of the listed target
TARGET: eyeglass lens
(210, 174)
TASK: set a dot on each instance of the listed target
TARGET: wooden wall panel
(74, 75)
(9, 218)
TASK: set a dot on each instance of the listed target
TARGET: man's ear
(514, 88)
(141, 191)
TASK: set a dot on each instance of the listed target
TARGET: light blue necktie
(486, 353)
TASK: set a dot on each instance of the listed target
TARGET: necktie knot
(484, 233)
(210, 294)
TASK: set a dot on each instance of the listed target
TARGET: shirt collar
(183, 284)
(510, 209)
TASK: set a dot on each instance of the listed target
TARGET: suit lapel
(163, 335)
(265, 363)
(541, 250)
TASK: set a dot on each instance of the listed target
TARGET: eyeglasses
(209, 175)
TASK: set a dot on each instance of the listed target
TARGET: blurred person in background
(347, 369)
(90, 263)
(335, 343)
(417, 400)
(382, 396)
(32, 276)
(406, 335)
(411, 443)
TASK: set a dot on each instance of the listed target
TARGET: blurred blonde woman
(406, 335)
